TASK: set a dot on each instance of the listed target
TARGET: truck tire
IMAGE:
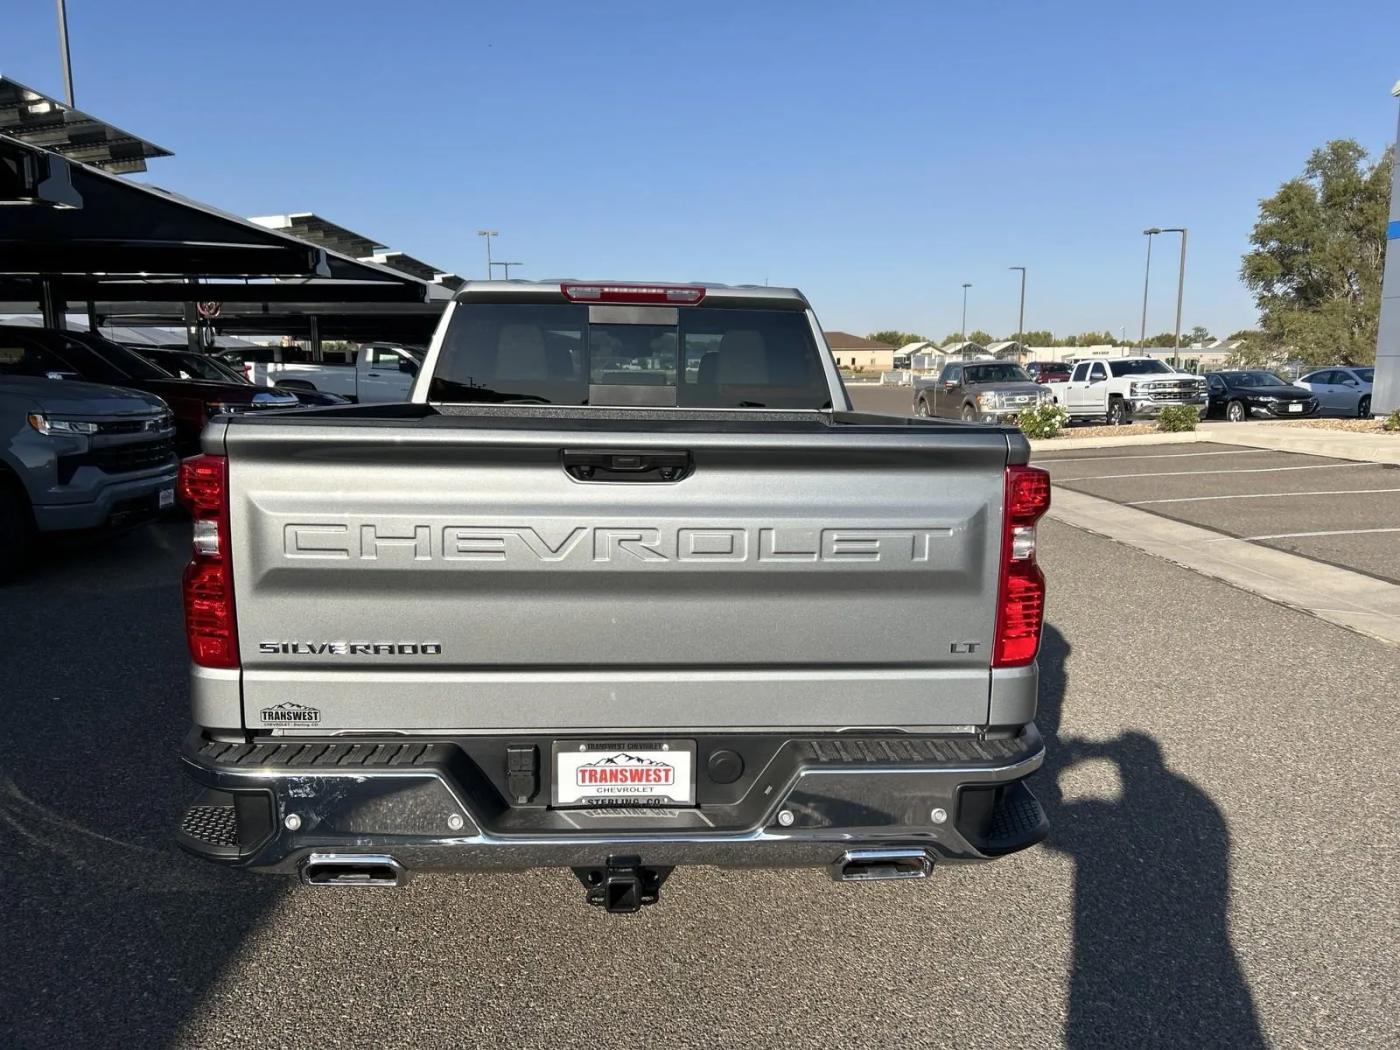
(1235, 412)
(921, 408)
(16, 528)
(1117, 412)
(969, 414)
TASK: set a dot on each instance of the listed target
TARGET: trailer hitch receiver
(623, 885)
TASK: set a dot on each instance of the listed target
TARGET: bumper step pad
(221, 825)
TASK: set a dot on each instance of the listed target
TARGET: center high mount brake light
(655, 294)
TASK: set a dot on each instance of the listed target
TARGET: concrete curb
(1110, 440)
(1335, 444)
(1348, 599)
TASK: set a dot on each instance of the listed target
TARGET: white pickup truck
(375, 373)
(1120, 389)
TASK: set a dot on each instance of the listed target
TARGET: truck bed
(431, 569)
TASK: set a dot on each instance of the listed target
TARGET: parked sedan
(82, 355)
(1342, 388)
(184, 363)
(1239, 395)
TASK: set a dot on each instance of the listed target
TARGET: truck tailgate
(448, 574)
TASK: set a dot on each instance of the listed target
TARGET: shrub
(1392, 421)
(1178, 417)
(1043, 421)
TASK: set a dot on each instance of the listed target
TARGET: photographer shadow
(1153, 964)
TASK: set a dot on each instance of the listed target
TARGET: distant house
(922, 356)
(853, 351)
(965, 350)
(1007, 350)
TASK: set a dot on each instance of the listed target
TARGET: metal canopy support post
(315, 327)
(92, 316)
(51, 305)
(192, 327)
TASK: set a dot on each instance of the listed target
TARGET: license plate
(166, 499)
(1295, 407)
(641, 773)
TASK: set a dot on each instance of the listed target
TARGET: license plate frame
(165, 498)
(642, 781)
(1296, 406)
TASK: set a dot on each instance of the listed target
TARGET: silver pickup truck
(627, 585)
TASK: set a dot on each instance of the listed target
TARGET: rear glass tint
(552, 354)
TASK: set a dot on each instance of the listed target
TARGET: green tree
(1254, 350)
(1199, 334)
(981, 338)
(894, 338)
(1040, 338)
(1162, 339)
(1319, 249)
(1092, 339)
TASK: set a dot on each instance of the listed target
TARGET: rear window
(574, 354)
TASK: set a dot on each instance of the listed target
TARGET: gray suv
(78, 456)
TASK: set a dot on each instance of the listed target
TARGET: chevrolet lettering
(625, 586)
(614, 544)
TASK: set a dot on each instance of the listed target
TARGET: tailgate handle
(630, 465)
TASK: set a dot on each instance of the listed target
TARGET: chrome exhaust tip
(352, 869)
(880, 864)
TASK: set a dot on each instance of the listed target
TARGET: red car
(1048, 371)
(83, 355)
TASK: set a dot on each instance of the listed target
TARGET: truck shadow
(1153, 964)
(112, 936)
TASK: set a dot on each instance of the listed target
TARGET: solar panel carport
(76, 234)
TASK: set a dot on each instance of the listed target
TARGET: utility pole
(1021, 317)
(1180, 288)
(1149, 233)
(963, 330)
(63, 49)
(488, 234)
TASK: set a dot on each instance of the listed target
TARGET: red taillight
(660, 294)
(210, 625)
(1021, 597)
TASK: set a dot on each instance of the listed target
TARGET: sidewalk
(1349, 599)
(1335, 444)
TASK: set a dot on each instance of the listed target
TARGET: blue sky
(876, 155)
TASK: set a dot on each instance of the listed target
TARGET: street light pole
(1180, 288)
(488, 234)
(1021, 317)
(505, 266)
(1150, 232)
(63, 49)
(963, 330)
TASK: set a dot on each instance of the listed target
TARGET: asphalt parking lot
(1338, 511)
(1220, 872)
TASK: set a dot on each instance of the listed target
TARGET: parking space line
(1255, 495)
(1203, 473)
(1163, 455)
(1325, 532)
